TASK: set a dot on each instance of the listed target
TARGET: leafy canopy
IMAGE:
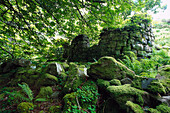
(26, 26)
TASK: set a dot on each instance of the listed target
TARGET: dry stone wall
(131, 38)
(114, 42)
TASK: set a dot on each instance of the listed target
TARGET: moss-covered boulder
(45, 92)
(156, 87)
(163, 108)
(122, 94)
(54, 109)
(115, 82)
(133, 108)
(75, 78)
(25, 107)
(151, 85)
(109, 68)
(164, 71)
(164, 76)
(83, 99)
(103, 84)
(151, 110)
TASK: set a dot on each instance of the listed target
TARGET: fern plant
(26, 89)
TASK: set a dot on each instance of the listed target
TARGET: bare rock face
(109, 68)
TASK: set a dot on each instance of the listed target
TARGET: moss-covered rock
(74, 79)
(151, 110)
(163, 76)
(42, 111)
(164, 71)
(109, 68)
(115, 82)
(133, 108)
(54, 109)
(122, 94)
(163, 108)
(151, 85)
(25, 107)
(45, 92)
(103, 84)
(156, 87)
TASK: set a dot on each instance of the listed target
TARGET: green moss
(153, 86)
(151, 110)
(108, 68)
(73, 68)
(41, 111)
(115, 82)
(103, 83)
(163, 108)
(45, 92)
(137, 82)
(25, 107)
(51, 77)
(165, 71)
(124, 93)
(135, 108)
(74, 79)
(156, 87)
(54, 109)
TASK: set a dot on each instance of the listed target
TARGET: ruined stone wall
(131, 38)
(114, 42)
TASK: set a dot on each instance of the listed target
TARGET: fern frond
(27, 90)
(17, 95)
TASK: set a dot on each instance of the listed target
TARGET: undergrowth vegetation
(160, 54)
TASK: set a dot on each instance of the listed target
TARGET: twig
(7, 51)
(78, 103)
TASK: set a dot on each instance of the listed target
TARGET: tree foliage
(26, 26)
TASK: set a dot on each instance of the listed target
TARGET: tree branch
(82, 16)
(7, 51)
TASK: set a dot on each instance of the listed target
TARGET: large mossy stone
(54, 109)
(115, 82)
(151, 110)
(122, 94)
(103, 84)
(164, 76)
(163, 108)
(109, 68)
(133, 108)
(164, 71)
(151, 85)
(45, 92)
(25, 107)
(75, 77)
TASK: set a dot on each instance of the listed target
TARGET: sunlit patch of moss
(25, 107)
(135, 108)
(122, 94)
(115, 82)
(163, 108)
